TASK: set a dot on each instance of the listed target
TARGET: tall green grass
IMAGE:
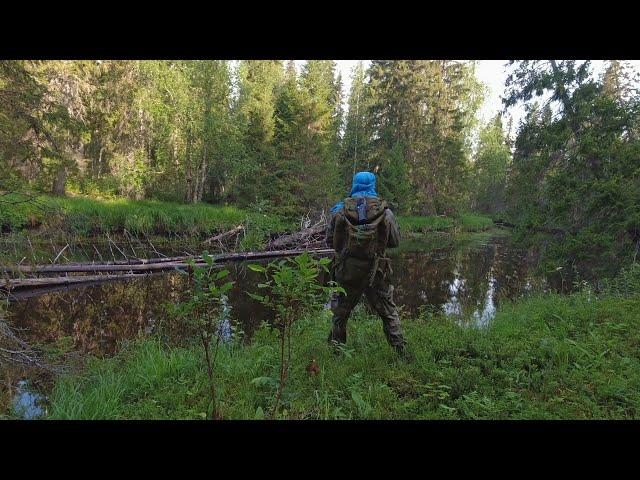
(425, 224)
(544, 357)
(90, 216)
(85, 216)
(467, 222)
(471, 222)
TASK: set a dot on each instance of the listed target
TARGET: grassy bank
(43, 225)
(467, 222)
(544, 357)
(83, 216)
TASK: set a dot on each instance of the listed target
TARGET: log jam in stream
(140, 266)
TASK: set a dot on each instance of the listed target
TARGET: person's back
(360, 231)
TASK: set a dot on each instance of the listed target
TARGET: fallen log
(80, 268)
(148, 267)
(225, 235)
(14, 283)
(24, 293)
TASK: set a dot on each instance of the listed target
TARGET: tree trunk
(100, 167)
(201, 177)
(60, 183)
(188, 169)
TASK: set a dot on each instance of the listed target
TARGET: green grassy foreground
(544, 357)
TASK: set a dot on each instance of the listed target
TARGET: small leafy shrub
(293, 290)
(204, 311)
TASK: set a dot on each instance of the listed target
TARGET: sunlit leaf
(222, 274)
(259, 298)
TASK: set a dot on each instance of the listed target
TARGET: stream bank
(466, 277)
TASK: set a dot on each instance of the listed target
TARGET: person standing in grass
(361, 228)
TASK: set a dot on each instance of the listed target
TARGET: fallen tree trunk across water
(141, 268)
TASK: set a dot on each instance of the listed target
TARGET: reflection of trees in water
(467, 281)
(248, 314)
(98, 317)
(461, 281)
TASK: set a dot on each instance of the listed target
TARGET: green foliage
(470, 222)
(424, 224)
(293, 285)
(545, 357)
(575, 173)
(202, 130)
(625, 284)
(19, 211)
(260, 134)
(467, 222)
(86, 215)
(419, 117)
(293, 289)
(355, 142)
(492, 161)
(203, 311)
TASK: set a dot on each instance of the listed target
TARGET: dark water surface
(467, 282)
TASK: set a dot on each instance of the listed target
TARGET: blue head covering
(363, 185)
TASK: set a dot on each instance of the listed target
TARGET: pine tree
(320, 95)
(620, 82)
(492, 161)
(356, 138)
(428, 108)
(259, 81)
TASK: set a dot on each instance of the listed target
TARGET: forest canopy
(267, 135)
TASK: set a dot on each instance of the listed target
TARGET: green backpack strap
(375, 207)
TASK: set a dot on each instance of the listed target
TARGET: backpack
(365, 231)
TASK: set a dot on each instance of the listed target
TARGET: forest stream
(466, 281)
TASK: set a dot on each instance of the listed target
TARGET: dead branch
(14, 350)
(58, 256)
(11, 284)
(312, 237)
(226, 235)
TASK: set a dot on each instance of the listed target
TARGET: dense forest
(263, 135)
(163, 248)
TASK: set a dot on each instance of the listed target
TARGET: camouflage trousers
(379, 296)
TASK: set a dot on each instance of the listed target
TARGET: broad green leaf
(256, 297)
(222, 274)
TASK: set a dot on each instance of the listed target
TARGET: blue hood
(363, 185)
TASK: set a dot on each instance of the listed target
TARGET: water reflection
(96, 318)
(489, 309)
(27, 404)
(464, 282)
(467, 283)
